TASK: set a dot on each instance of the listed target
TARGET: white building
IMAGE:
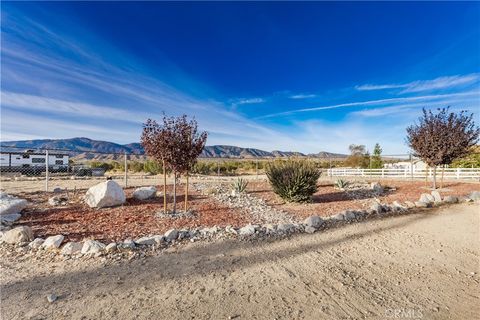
(417, 165)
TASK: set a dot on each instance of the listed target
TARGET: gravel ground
(423, 265)
(328, 200)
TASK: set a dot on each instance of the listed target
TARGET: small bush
(293, 181)
(341, 184)
(240, 185)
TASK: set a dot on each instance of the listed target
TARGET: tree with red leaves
(177, 143)
(439, 138)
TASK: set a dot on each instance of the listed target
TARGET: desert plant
(293, 181)
(240, 185)
(341, 184)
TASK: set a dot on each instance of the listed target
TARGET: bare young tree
(155, 141)
(439, 138)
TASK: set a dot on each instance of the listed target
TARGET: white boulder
(111, 247)
(53, 242)
(285, 227)
(314, 222)
(72, 248)
(11, 205)
(436, 196)
(18, 235)
(105, 194)
(421, 204)
(144, 193)
(36, 243)
(398, 206)
(309, 229)
(146, 241)
(92, 246)
(247, 230)
(450, 199)
(426, 198)
(475, 195)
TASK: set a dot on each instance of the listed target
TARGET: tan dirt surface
(421, 266)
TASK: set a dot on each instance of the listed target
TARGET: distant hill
(85, 148)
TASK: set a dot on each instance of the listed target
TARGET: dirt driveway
(419, 266)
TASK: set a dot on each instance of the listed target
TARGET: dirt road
(419, 266)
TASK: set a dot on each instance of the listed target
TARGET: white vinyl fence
(449, 173)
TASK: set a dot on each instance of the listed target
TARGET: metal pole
(126, 169)
(46, 170)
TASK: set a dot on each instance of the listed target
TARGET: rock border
(138, 247)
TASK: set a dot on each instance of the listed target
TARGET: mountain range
(87, 148)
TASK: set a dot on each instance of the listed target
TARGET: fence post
(458, 173)
(256, 168)
(411, 167)
(383, 172)
(46, 170)
(126, 170)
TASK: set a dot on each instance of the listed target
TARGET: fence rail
(448, 173)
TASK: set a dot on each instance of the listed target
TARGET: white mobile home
(33, 161)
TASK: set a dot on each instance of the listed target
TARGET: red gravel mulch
(132, 220)
(328, 200)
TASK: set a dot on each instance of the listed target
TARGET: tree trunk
(441, 181)
(174, 191)
(164, 188)
(435, 177)
(426, 176)
(186, 192)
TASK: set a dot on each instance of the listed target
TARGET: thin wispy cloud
(249, 101)
(302, 96)
(425, 85)
(374, 102)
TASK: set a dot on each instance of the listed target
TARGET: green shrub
(293, 181)
(240, 185)
(341, 184)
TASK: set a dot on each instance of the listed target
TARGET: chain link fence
(29, 170)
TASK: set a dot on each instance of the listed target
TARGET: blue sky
(290, 76)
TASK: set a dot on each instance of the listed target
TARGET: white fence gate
(449, 173)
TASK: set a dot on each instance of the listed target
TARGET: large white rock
(105, 194)
(53, 242)
(146, 241)
(436, 196)
(92, 246)
(450, 199)
(72, 248)
(18, 235)
(11, 205)
(247, 230)
(314, 222)
(475, 195)
(36, 243)
(426, 198)
(144, 193)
